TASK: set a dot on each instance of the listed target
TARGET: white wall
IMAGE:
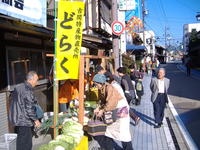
(149, 36)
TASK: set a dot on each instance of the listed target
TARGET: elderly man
(23, 112)
(159, 87)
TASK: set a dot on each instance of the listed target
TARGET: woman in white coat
(114, 99)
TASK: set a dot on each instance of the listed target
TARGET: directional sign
(117, 27)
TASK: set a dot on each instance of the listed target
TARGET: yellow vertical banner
(69, 38)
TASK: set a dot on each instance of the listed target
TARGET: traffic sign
(117, 27)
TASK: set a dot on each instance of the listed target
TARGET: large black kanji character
(62, 65)
(9, 2)
(19, 4)
(62, 44)
(66, 19)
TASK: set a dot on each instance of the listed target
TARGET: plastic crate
(8, 141)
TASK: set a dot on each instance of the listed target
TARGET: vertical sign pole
(115, 39)
(55, 86)
(81, 90)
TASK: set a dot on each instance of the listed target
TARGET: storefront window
(23, 60)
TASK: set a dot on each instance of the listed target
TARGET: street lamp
(198, 16)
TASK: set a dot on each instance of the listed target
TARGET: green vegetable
(54, 143)
(44, 147)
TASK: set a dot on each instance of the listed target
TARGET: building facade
(149, 41)
(26, 46)
(187, 29)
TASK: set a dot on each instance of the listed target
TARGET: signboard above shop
(134, 12)
(127, 4)
(33, 11)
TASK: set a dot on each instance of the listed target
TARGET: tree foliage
(194, 40)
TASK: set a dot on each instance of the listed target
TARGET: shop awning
(16, 25)
(141, 48)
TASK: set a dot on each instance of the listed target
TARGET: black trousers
(159, 107)
(24, 137)
(107, 143)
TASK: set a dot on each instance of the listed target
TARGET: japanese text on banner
(69, 39)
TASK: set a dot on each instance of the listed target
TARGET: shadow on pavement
(192, 123)
(144, 118)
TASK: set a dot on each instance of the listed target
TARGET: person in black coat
(136, 78)
(23, 112)
(129, 91)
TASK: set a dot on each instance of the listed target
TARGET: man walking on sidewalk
(159, 86)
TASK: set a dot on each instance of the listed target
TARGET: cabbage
(59, 148)
(54, 143)
(65, 138)
(44, 147)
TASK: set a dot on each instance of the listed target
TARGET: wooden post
(81, 90)
(87, 64)
(103, 63)
(55, 85)
(55, 107)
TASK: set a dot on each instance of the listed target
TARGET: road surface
(184, 93)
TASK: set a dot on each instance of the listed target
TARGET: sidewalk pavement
(194, 73)
(144, 135)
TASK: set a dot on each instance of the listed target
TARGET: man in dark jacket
(129, 90)
(136, 78)
(22, 111)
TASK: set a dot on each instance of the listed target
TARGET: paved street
(185, 95)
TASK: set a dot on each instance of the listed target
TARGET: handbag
(110, 116)
(39, 111)
(96, 127)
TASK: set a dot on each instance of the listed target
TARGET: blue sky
(170, 13)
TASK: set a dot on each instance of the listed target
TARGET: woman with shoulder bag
(114, 99)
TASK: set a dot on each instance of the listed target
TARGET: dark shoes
(159, 125)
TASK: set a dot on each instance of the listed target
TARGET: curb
(170, 141)
(188, 139)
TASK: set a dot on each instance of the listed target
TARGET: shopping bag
(96, 127)
(110, 116)
(39, 111)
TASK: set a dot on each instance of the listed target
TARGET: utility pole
(143, 20)
(165, 37)
(115, 40)
(165, 44)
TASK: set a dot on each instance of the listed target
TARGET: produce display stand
(84, 62)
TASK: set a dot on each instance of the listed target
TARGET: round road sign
(117, 27)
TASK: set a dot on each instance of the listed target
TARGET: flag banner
(69, 38)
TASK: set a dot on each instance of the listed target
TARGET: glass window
(23, 60)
